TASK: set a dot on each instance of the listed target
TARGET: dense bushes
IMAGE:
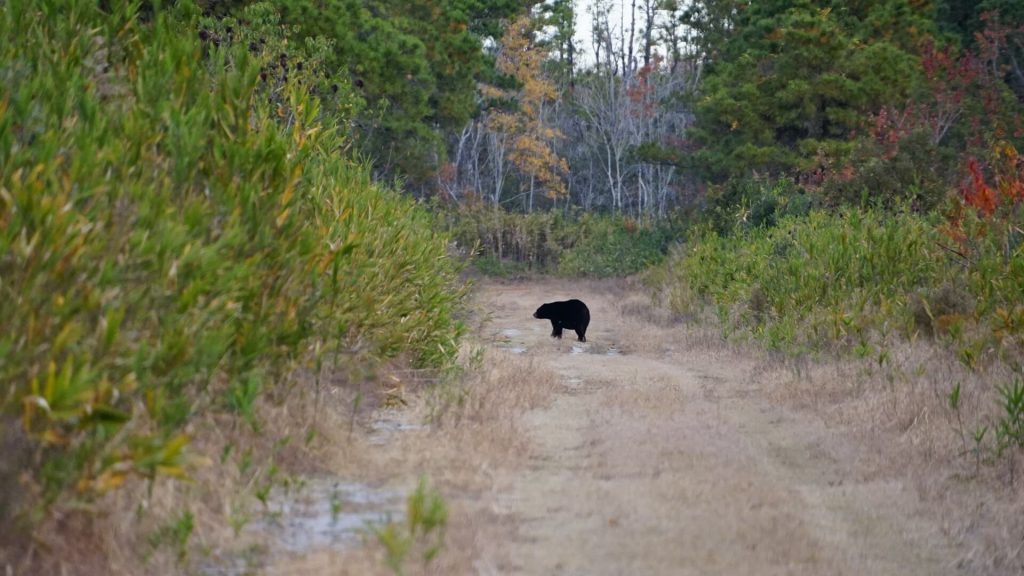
(842, 278)
(616, 247)
(177, 232)
(506, 242)
(748, 203)
(916, 174)
(534, 240)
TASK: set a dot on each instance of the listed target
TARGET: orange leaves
(531, 149)
(490, 92)
(642, 92)
(990, 201)
(1008, 169)
(978, 193)
(533, 155)
(504, 122)
(1009, 172)
(524, 60)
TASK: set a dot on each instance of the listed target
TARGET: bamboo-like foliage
(572, 244)
(840, 278)
(175, 238)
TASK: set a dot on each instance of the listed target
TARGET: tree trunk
(649, 13)
(532, 180)
(632, 37)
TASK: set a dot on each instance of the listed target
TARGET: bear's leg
(581, 334)
(556, 329)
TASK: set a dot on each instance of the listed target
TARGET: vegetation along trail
(238, 332)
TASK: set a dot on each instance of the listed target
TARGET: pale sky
(584, 22)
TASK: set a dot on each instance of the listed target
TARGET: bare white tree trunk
(450, 181)
(621, 123)
(496, 156)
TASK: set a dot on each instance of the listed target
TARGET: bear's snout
(535, 315)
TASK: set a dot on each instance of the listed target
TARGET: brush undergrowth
(852, 282)
(838, 280)
(508, 243)
(423, 532)
(180, 227)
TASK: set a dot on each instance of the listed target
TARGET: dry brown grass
(471, 431)
(899, 411)
(485, 413)
(116, 533)
(901, 408)
(896, 414)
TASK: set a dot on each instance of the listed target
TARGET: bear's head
(544, 312)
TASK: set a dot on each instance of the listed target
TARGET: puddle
(386, 425)
(505, 340)
(384, 428)
(577, 349)
(321, 513)
(613, 351)
(327, 513)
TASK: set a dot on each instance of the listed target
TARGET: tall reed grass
(842, 278)
(178, 233)
(574, 244)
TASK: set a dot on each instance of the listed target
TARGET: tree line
(666, 103)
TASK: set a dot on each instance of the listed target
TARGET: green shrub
(750, 203)
(534, 240)
(422, 533)
(506, 243)
(176, 234)
(833, 278)
(916, 174)
(829, 274)
(615, 247)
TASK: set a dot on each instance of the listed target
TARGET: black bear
(571, 314)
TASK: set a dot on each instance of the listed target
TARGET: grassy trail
(661, 452)
(654, 448)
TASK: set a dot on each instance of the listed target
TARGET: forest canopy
(650, 102)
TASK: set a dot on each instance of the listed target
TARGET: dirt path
(658, 457)
(652, 449)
